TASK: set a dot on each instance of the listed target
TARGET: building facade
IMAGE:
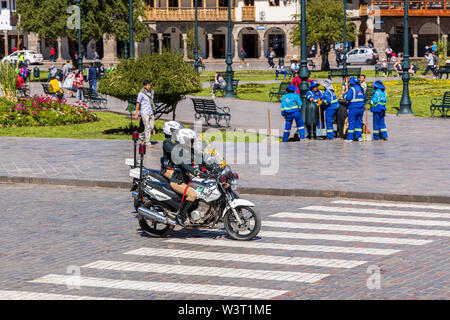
(9, 37)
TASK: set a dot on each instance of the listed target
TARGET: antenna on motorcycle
(135, 140)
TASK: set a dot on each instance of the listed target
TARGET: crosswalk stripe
(23, 295)
(380, 212)
(358, 228)
(334, 237)
(299, 215)
(393, 205)
(279, 246)
(185, 288)
(207, 271)
(252, 258)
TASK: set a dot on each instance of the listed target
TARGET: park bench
(200, 65)
(355, 72)
(235, 84)
(46, 88)
(212, 79)
(94, 100)
(289, 72)
(441, 105)
(207, 109)
(380, 69)
(312, 64)
(442, 70)
(24, 92)
(278, 92)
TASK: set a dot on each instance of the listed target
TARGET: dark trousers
(433, 70)
(341, 115)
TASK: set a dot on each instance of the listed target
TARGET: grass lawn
(421, 91)
(110, 126)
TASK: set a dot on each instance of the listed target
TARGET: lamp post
(196, 38)
(344, 59)
(405, 102)
(80, 50)
(131, 56)
(304, 72)
(229, 88)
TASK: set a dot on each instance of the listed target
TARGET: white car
(31, 57)
(362, 55)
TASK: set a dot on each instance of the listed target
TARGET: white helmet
(183, 136)
(171, 126)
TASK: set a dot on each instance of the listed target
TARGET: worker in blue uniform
(315, 95)
(290, 110)
(331, 105)
(378, 108)
(357, 101)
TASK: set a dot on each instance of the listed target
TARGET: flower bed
(43, 111)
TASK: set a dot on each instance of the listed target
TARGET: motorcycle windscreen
(211, 155)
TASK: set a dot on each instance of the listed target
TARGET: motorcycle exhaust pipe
(156, 216)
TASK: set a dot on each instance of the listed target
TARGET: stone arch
(248, 38)
(173, 39)
(276, 38)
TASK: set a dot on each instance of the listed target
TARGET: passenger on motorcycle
(184, 156)
(167, 166)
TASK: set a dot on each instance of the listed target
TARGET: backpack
(435, 61)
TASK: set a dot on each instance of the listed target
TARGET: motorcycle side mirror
(135, 136)
(142, 149)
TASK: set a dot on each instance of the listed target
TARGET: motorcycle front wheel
(250, 227)
(153, 228)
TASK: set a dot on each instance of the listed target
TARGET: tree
(171, 77)
(325, 26)
(48, 18)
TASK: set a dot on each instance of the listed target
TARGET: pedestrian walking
(338, 57)
(357, 102)
(243, 55)
(78, 85)
(145, 106)
(378, 108)
(92, 78)
(272, 56)
(431, 64)
(53, 54)
(290, 110)
(331, 105)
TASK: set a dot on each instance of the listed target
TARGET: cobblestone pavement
(307, 249)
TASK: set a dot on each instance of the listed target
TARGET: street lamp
(405, 102)
(304, 72)
(80, 51)
(229, 88)
(196, 38)
(131, 56)
(344, 59)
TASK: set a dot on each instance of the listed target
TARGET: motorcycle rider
(167, 166)
(184, 156)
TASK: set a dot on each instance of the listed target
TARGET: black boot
(182, 215)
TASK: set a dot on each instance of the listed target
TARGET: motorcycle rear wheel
(234, 230)
(152, 228)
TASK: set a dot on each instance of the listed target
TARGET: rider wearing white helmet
(185, 167)
(167, 165)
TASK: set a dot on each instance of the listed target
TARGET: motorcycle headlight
(234, 185)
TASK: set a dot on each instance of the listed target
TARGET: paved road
(308, 249)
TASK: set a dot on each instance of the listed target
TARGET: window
(13, 5)
(274, 3)
(223, 3)
(249, 3)
(173, 3)
(4, 4)
(150, 3)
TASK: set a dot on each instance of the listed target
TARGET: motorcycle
(216, 201)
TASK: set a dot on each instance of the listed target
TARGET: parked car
(362, 55)
(31, 57)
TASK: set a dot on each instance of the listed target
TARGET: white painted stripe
(279, 246)
(334, 237)
(187, 288)
(393, 205)
(23, 295)
(252, 258)
(207, 271)
(362, 228)
(299, 215)
(420, 214)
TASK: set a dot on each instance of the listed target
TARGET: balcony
(416, 8)
(248, 13)
(363, 10)
(188, 14)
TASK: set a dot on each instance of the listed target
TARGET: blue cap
(354, 80)
(291, 88)
(378, 85)
(314, 83)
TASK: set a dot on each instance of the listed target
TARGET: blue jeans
(93, 85)
(79, 94)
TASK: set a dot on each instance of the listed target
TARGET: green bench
(94, 100)
(212, 79)
(207, 109)
(235, 84)
(278, 92)
(200, 65)
(352, 72)
(441, 105)
(442, 70)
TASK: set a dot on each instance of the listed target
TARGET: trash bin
(131, 105)
(311, 118)
(37, 73)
